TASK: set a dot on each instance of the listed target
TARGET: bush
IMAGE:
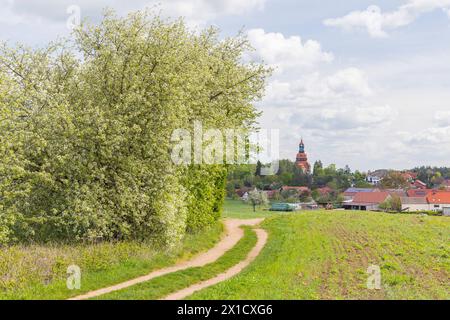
(86, 141)
(206, 189)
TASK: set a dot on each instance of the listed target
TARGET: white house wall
(415, 207)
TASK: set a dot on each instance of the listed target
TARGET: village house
(419, 184)
(439, 200)
(243, 193)
(375, 177)
(409, 176)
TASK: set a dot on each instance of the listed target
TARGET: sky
(365, 83)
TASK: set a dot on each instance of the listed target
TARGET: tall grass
(40, 271)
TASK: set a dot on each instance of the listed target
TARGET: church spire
(301, 147)
(302, 158)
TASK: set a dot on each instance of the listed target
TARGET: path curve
(262, 239)
(234, 233)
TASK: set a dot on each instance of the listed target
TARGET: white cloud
(287, 52)
(346, 118)
(311, 96)
(442, 118)
(377, 22)
(196, 12)
(350, 81)
(199, 12)
(437, 138)
(447, 11)
(317, 90)
(7, 15)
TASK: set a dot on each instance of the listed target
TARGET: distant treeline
(337, 179)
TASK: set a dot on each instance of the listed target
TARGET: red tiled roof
(324, 190)
(439, 197)
(417, 193)
(371, 197)
(397, 192)
(301, 189)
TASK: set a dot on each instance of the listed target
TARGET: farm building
(350, 193)
(414, 204)
(367, 201)
(446, 211)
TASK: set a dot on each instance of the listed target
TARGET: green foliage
(86, 140)
(432, 176)
(394, 180)
(392, 204)
(206, 189)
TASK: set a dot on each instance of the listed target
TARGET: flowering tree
(89, 123)
(257, 198)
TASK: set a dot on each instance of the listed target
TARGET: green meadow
(326, 254)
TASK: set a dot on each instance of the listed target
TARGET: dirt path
(262, 239)
(233, 234)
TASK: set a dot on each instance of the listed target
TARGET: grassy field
(160, 287)
(325, 255)
(309, 255)
(39, 272)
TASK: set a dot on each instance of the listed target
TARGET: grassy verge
(165, 285)
(325, 255)
(39, 272)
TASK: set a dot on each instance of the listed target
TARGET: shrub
(206, 189)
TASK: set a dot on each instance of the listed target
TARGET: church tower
(302, 159)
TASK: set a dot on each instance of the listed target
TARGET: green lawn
(240, 210)
(162, 286)
(325, 255)
(39, 272)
